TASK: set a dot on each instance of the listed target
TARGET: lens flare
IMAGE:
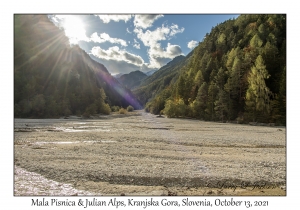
(74, 28)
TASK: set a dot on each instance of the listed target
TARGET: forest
(236, 73)
(53, 79)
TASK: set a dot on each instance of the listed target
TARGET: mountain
(149, 73)
(159, 80)
(117, 76)
(133, 79)
(237, 73)
(169, 68)
(51, 78)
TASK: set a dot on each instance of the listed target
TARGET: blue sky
(125, 43)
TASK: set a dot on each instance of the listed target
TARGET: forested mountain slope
(162, 78)
(238, 72)
(133, 79)
(53, 79)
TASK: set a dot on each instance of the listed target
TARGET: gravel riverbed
(142, 154)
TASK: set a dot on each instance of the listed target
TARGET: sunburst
(74, 28)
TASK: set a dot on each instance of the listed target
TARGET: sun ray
(74, 29)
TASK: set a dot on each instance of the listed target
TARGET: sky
(145, 42)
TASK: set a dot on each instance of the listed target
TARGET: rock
(172, 193)
(210, 192)
(220, 192)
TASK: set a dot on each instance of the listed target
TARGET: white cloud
(115, 67)
(150, 38)
(175, 30)
(128, 31)
(192, 44)
(104, 37)
(119, 61)
(116, 54)
(157, 55)
(145, 21)
(74, 29)
(116, 18)
(136, 44)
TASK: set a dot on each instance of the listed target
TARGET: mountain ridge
(132, 79)
(159, 80)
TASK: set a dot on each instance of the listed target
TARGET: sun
(74, 29)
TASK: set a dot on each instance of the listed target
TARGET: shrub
(122, 111)
(106, 109)
(161, 112)
(90, 110)
(130, 108)
(115, 108)
(147, 107)
(169, 109)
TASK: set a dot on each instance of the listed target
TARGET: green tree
(200, 103)
(258, 94)
(175, 108)
(198, 78)
(220, 78)
(282, 97)
(221, 106)
(170, 109)
(270, 55)
(212, 95)
(256, 42)
(234, 86)
(180, 88)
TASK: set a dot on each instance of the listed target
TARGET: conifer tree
(258, 94)
(196, 84)
(180, 88)
(212, 95)
(221, 106)
(200, 103)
